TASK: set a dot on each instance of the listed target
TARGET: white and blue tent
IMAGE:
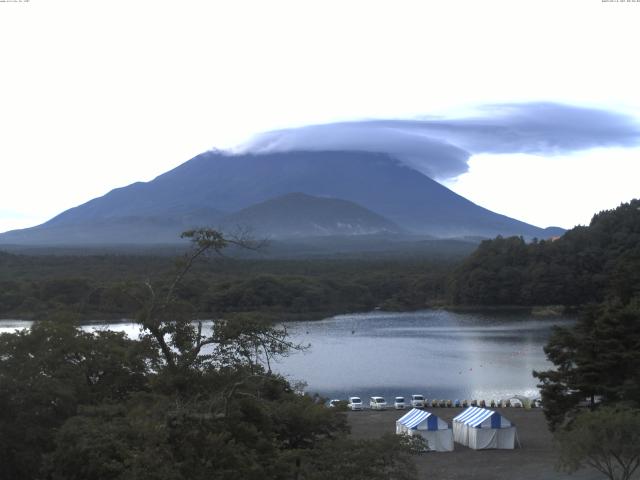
(479, 428)
(432, 428)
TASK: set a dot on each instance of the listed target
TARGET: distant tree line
(89, 286)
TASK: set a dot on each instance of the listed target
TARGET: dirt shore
(536, 459)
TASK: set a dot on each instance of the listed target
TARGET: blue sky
(97, 95)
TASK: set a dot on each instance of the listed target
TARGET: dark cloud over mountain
(441, 147)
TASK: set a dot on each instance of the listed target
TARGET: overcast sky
(96, 95)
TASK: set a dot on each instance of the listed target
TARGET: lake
(437, 353)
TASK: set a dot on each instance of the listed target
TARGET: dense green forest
(98, 286)
(585, 265)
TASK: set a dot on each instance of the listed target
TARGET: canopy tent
(432, 428)
(479, 428)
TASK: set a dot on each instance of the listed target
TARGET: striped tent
(480, 428)
(432, 428)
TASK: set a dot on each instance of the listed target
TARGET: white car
(355, 403)
(377, 403)
(399, 404)
(516, 402)
(417, 401)
(334, 403)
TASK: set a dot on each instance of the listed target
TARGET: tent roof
(413, 418)
(474, 416)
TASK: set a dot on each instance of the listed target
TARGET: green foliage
(159, 436)
(182, 402)
(607, 440)
(598, 357)
(112, 442)
(585, 265)
(384, 459)
(47, 373)
(106, 285)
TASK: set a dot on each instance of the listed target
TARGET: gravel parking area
(535, 460)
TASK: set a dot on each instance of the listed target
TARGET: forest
(586, 265)
(96, 286)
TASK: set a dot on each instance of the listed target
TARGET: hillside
(301, 215)
(585, 265)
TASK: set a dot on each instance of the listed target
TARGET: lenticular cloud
(441, 147)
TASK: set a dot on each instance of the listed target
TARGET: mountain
(215, 185)
(301, 215)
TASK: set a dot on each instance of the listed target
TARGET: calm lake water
(437, 353)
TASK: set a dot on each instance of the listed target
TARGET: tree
(168, 322)
(114, 441)
(607, 439)
(152, 436)
(586, 264)
(185, 401)
(47, 373)
(216, 409)
(597, 358)
(382, 459)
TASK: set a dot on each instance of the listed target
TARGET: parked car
(417, 401)
(334, 403)
(377, 403)
(355, 403)
(510, 402)
(515, 402)
(399, 404)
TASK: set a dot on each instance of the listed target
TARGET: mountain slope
(302, 215)
(220, 184)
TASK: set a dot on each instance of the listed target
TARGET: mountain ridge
(212, 185)
(298, 214)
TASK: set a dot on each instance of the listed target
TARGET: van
(355, 403)
(399, 404)
(377, 403)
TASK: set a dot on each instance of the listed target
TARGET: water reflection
(12, 326)
(437, 353)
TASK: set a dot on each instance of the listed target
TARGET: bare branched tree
(181, 339)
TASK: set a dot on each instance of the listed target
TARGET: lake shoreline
(436, 352)
(289, 317)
